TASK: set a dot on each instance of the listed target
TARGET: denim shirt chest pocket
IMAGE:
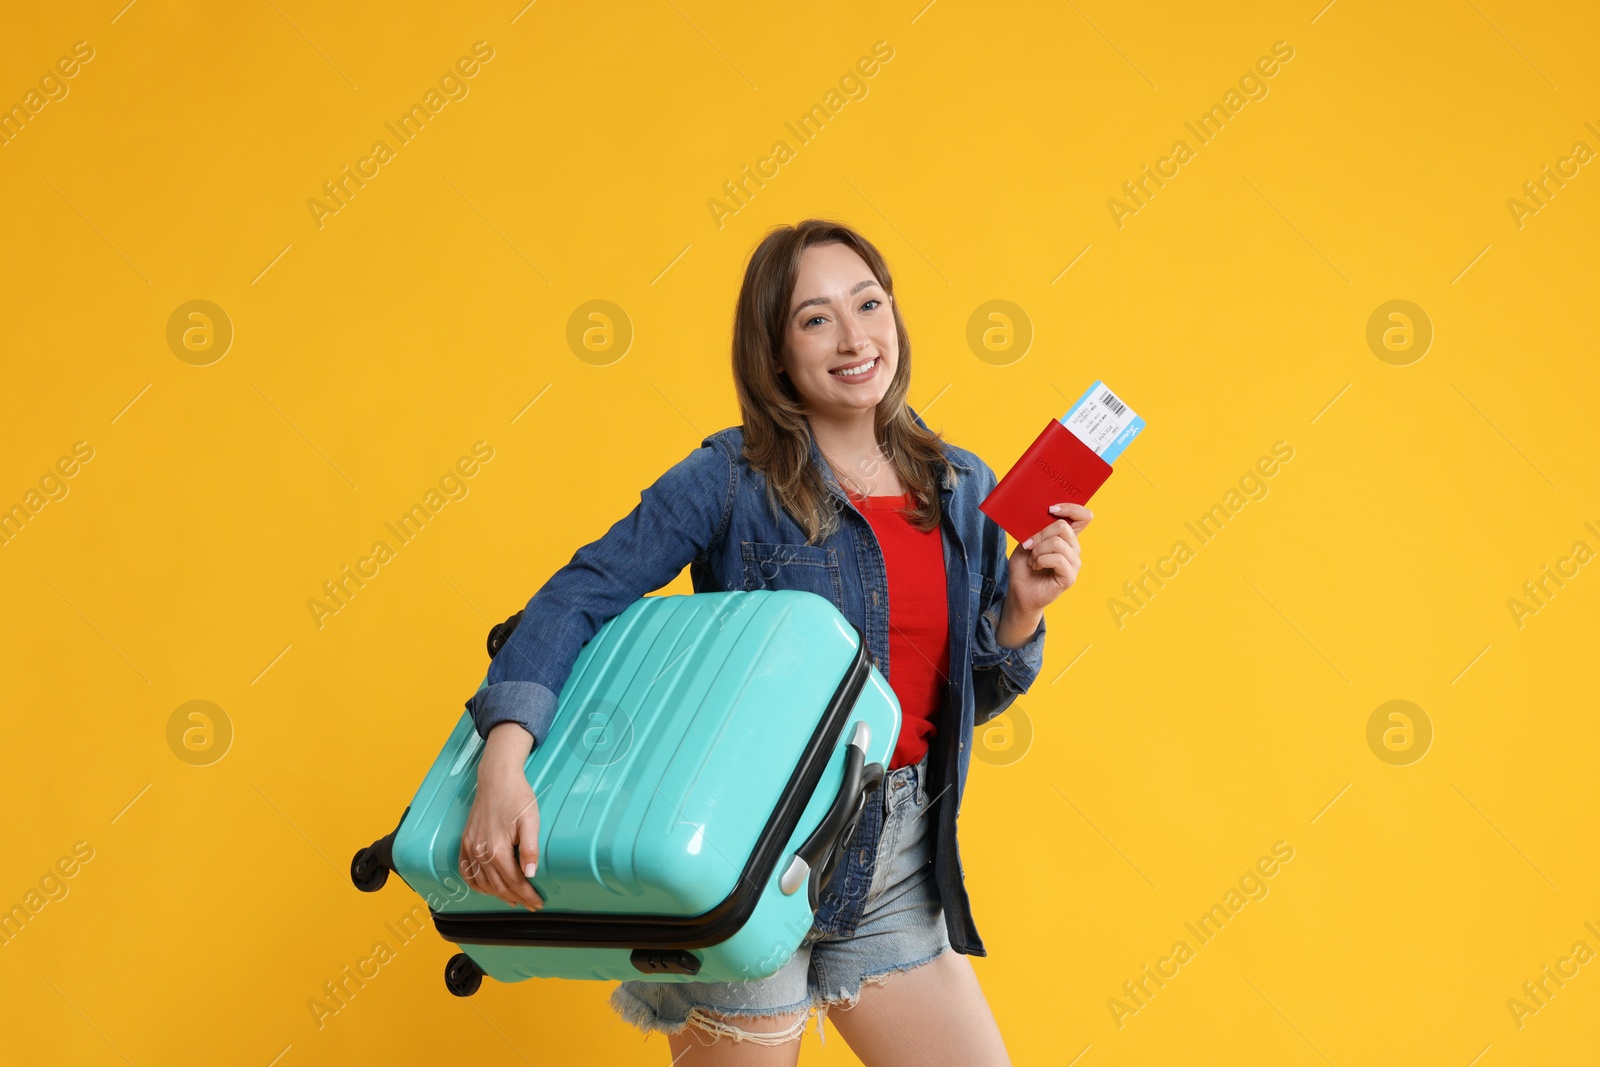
(981, 589)
(808, 568)
(981, 592)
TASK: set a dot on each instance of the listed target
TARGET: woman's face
(839, 319)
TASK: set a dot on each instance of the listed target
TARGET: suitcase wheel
(462, 976)
(370, 866)
(500, 633)
(367, 871)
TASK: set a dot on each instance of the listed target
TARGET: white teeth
(856, 370)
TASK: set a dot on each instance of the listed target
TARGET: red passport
(1056, 469)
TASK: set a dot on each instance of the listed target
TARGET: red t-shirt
(919, 620)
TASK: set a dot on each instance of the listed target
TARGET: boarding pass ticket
(1103, 422)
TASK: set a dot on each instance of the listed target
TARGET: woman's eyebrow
(823, 300)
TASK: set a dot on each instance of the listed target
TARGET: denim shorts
(902, 926)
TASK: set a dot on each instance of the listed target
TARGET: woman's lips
(859, 375)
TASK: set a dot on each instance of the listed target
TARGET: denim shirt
(710, 512)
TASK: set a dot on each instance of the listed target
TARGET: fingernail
(1054, 508)
(1028, 543)
(529, 869)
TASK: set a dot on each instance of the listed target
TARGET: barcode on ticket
(1101, 420)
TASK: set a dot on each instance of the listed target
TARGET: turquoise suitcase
(708, 760)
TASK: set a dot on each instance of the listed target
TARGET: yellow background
(1231, 312)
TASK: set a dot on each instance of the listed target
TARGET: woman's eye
(815, 318)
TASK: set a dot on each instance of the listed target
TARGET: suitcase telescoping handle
(821, 849)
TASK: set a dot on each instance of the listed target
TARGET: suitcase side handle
(820, 850)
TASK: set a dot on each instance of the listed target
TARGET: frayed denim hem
(847, 999)
(643, 1016)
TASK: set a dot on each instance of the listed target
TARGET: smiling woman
(832, 485)
(867, 350)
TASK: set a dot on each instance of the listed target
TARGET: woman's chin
(850, 398)
(849, 405)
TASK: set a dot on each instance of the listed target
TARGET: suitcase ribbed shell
(676, 735)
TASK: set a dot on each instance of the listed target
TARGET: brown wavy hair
(777, 434)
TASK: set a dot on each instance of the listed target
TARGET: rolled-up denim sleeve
(677, 520)
(999, 674)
